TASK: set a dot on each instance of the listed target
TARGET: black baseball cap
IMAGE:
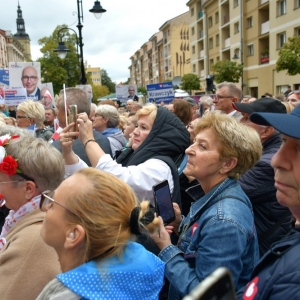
(269, 105)
(287, 124)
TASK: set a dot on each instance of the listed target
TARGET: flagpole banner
(14, 97)
(26, 75)
(47, 95)
(126, 92)
(4, 78)
(160, 92)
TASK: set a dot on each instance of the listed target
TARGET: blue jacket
(277, 275)
(258, 184)
(222, 235)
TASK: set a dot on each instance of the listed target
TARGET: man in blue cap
(277, 274)
(272, 220)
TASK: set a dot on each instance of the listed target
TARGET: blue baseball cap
(288, 124)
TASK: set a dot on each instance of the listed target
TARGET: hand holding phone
(72, 118)
(163, 202)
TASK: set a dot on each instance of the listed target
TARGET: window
(211, 43)
(193, 50)
(297, 31)
(249, 22)
(297, 4)
(218, 58)
(170, 62)
(217, 17)
(192, 11)
(281, 38)
(169, 47)
(236, 27)
(211, 62)
(235, 3)
(217, 40)
(281, 7)
(250, 50)
(193, 30)
(210, 22)
(168, 32)
(194, 68)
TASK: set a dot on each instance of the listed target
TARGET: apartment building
(3, 50)
(250, 32)
(166, 54)
(95, 74)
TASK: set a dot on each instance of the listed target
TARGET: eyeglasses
(98, 115)
(218, 97)
(10, 181)
(47, 202)
(32, 78)
(21, 117)
(294, 92)
(45, 97)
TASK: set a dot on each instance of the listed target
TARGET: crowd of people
(78, 215)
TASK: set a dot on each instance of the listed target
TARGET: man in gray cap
(193, 106)
(272, 220)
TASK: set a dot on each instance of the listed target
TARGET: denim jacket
(223, 235)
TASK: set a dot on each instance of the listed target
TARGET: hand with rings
(85, 128)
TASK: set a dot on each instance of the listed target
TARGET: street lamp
(62, 49)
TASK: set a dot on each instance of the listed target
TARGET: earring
(71, 235)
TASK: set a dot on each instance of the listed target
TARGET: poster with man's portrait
(26, 75)
(47, 95)
(88, 89)
(127, 92)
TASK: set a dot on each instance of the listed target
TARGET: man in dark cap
(272, 220)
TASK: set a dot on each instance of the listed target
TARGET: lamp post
(62, 49)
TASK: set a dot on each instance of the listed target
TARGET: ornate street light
(62, 49)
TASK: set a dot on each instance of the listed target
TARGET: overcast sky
(108, 42)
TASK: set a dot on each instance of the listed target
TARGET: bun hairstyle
(109, 213)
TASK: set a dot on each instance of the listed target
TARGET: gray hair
(38, 160)
(33, 109)
(232, 89)
(110, 112)
(93, 107)
(207, 99)
(13, 130)
(75, 96)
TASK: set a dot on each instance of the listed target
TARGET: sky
(108, 42)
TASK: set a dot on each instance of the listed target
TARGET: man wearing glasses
(29, 81)
(132, 95)
(226, 94)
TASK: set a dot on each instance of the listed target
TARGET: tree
(190, 82)
(54, 69)
(289, 57)
(142, 90)
(99, 91)
(107, 81)
(226, 70)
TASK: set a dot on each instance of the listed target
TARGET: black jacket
(258, 184)
(79, 149)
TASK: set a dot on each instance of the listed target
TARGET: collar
(231, 113)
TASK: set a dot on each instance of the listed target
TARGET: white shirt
(140, 178)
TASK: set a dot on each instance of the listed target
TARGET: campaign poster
(160, 92)
(47, 95)
(14, 97)
(88, 89)
(26, 75)
(127, 92)
(4, 78)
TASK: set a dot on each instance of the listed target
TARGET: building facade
(3, 50)
(95, 74)
(250, 32)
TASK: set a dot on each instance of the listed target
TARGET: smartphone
(163, 201)
(72, 117)
(217, 286)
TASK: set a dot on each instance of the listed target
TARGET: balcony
(265, 59)
(202, 73)
(200, 14)
(201, 34)
(227, 43)
(201, 54)
(263, 1)
(265, 27)
(225, 19)
(166, 69)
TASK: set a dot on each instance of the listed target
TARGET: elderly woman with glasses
(31, 114)
(219, 229)
(28, 166)
(91, 226)
(294, 98)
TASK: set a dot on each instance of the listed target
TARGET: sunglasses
(47, 202)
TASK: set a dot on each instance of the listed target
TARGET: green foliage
(99, 91)
(190, 82)
(289, 57)
(107, 81)
(54, 69)
(142, 90)
(226, 70)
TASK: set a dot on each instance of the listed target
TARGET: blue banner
(160, 92)
(4, 78)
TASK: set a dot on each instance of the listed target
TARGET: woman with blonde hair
(33, 113)
(28, 166)
(91, 226)
(289, 107)
(219, 230)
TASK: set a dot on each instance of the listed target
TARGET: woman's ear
(228, 165)
(75, 236)
(30, 189)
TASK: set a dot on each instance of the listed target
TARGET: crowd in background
(77, 210)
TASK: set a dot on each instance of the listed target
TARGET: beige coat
(27, 264)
